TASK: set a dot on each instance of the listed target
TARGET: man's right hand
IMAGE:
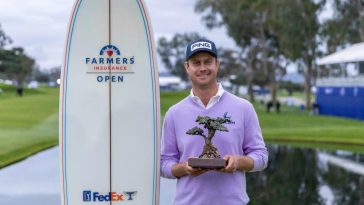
(194, 171)
(182, 169)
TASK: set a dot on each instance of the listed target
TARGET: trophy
(210, 157)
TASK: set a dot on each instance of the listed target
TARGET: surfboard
(109, 122)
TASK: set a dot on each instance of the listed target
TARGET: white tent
(354, 53)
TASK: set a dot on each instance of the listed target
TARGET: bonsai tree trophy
(210, 157)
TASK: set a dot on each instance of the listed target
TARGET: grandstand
(343, 95)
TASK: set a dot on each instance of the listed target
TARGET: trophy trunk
(209, 151)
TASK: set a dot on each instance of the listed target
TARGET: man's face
(202, 69)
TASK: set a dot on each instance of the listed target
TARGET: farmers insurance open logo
(110, 60)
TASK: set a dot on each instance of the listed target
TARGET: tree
(173, 55)
(54, 73)
(347, 24)
(172, 52)
(297, 25)
(46, 75)
(269, 31)
(230, 63)
(212, 125)
(4, 39)
(39, 75)
(16, 64)
(249, 24)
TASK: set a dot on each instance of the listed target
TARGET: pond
(308, 176)
(294, 176)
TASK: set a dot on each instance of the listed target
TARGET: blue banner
(341, 101)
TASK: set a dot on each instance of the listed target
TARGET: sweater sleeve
(253, 145)
(169, 150)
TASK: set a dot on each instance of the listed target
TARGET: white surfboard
(109, 106)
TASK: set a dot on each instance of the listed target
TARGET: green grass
(299, 128)
(170, 98)
(295, 125)
(28, 124)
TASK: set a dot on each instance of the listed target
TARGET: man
(242, 146)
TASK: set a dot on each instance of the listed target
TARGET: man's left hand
(232, 163)
(236, 162)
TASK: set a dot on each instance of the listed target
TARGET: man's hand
(236, 162)
(183, 169)
(232, 163)
(194, 171)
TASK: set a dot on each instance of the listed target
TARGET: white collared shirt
(214, 99)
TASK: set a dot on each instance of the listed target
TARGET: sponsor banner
(90, 196)
(109, 65)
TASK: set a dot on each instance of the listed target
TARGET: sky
(40, 26)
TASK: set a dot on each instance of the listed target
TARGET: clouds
(40, 25)
(170, 17)
(37, 25)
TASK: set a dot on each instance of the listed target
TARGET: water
(33, 181)
(308, 176)
(294, 176)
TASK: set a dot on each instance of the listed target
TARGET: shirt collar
(214, 99)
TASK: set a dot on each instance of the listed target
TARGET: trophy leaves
(203, 120)
(218, 126)
(223, 120)
(195, 131)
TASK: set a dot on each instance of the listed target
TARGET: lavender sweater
(244, 138)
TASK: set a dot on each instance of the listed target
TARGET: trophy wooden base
(207, 163)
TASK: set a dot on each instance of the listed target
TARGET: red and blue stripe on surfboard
(64, 99)
(155, 119)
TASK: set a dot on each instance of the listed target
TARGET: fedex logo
(201, 44)
(89, 196)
